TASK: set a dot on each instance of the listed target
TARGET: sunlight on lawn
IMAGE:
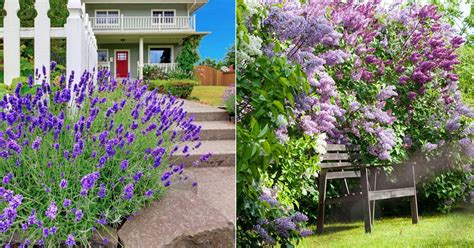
(451, 230)
(210, 95)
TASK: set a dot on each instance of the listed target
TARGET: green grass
(451, 230)
(1, 77)
(210, 95)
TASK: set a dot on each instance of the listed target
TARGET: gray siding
(136, 9)
(134, 54)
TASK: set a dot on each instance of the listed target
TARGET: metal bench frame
(343, 162)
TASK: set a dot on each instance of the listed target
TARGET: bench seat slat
(391, 193)
(338, 165)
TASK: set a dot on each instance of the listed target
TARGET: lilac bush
(76, 157)
(382, 77)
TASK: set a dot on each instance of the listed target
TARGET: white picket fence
(81, 44)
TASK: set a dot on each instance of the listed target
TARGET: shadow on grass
(339, 228)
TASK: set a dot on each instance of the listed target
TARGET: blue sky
(217, 17)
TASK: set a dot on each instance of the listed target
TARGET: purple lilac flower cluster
(426, 61)
(282, 227)
(88, 141)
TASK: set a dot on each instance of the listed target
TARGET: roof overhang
(192, 5)
(149, 37)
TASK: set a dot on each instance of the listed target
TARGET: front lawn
(210, 95)
(450, 230)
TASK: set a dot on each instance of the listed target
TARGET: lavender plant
(229, 99)
(76, 157)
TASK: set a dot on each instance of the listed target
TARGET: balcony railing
(144, 23)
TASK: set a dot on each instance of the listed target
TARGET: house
(133, 33)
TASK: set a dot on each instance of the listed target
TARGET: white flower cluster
(252, 6)
(247, 51)
(321, 144)
(225, 69)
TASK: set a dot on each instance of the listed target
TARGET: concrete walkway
(202, 216)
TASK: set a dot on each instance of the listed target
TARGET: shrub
(443, 192)
(179, 74)
(179, 88)
(68, 171)
(151, 72)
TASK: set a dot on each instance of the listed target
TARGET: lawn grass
(210, 95)
(450, 230)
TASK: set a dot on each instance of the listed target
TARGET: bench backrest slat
(340, 156)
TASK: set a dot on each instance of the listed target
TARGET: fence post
(11, 41)
(42, 39)
(74, 40)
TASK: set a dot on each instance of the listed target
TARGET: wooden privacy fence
(81, 44)
(210, 76)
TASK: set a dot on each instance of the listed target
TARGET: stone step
(217, 187)
(180, 219)
(203, 112)
(217, 130)
(223, 154)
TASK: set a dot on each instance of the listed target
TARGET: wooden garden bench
(343, 162)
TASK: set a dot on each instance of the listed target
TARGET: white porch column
(11, 41)
(74, 40)
(42, 38)
(140, 76)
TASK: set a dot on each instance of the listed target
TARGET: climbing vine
(189, 55)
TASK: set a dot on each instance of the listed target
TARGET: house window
(121, 56)
(105, 17)
(103, 56)
(162, 16)
(159, 55)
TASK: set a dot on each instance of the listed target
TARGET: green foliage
(229, 60)
(58, 13)
(260, 98)
(295, 175)
(466, 73)
(454, 15)
(181, 88)
(446, 190)
(213, 63)
(230, 56)
(189, 54)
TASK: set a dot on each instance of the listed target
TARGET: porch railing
(144, 23)
(164, 67)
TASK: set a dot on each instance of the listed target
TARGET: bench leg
(322, 201)
(413, 202)
(364, 182)
(414, 210)
(373, 176)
